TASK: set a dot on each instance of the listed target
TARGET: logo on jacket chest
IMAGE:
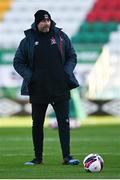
(53, 41)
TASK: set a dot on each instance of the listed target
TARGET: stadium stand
(17, 18)
(20, 16)
(97, 42)
(101, 29)
(92, 25)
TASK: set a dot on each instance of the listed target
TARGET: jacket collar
(28, 32)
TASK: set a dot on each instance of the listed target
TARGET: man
(46, 59)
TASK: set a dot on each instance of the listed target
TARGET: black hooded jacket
(24, 57)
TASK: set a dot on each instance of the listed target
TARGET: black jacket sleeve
(20, 61)
(70, 63)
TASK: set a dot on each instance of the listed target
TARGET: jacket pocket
(71, 81)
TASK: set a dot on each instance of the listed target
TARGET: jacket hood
(33, 28)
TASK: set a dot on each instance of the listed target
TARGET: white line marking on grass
(51, 154)
(80, 139)
(10, 154)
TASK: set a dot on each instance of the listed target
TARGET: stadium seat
(115, 37)
(88, 37)
(116, 16)
(4, 6)
(98, 26)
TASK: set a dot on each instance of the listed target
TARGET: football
(93, 163)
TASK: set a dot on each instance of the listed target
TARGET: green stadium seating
(98, 26)
(90, 37)
(87, 54)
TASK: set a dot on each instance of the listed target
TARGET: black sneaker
(33, 162)
(70, 161)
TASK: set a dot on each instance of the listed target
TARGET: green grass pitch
(16, 148)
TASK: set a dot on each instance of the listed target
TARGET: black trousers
(62, 114)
